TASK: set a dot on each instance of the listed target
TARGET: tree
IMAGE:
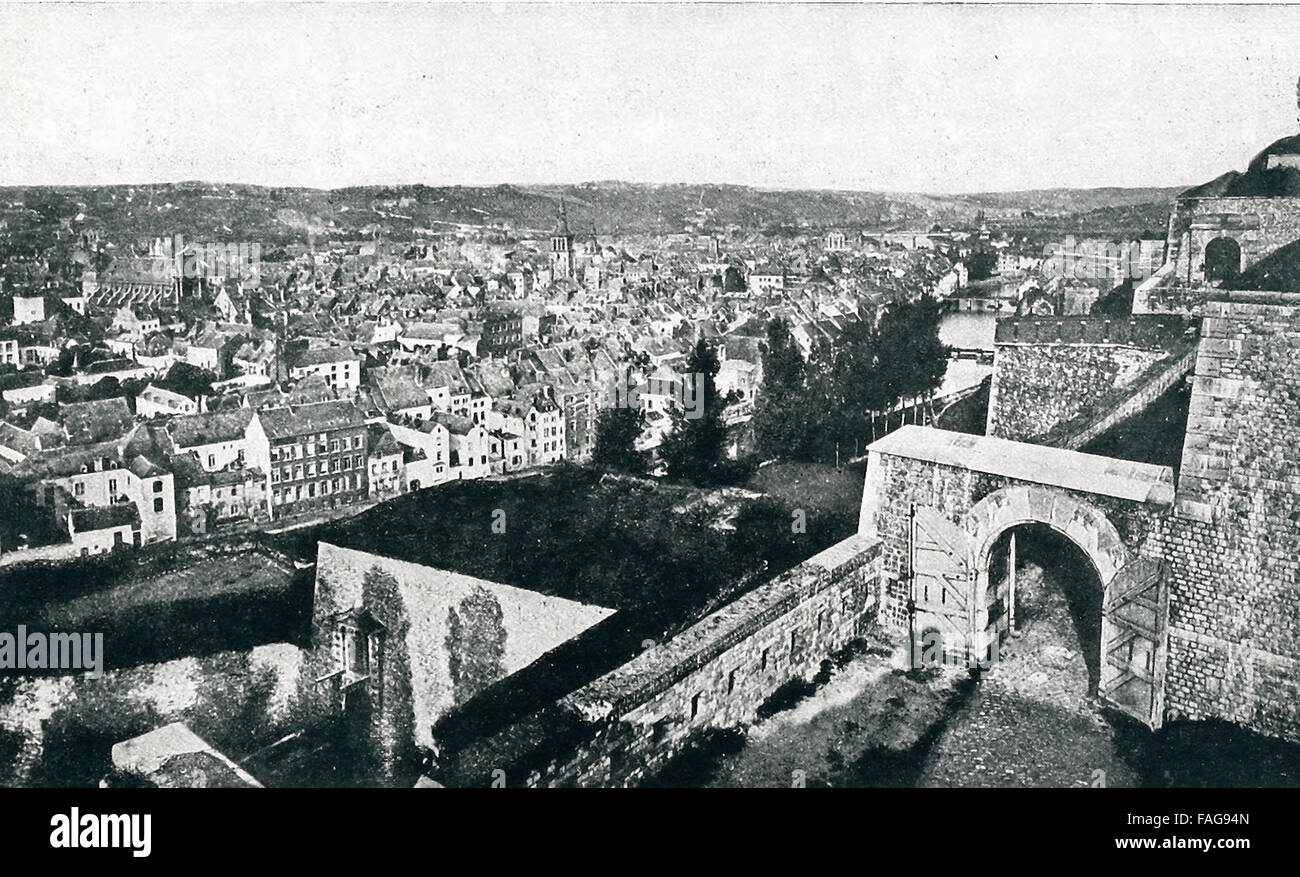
(733, 280)
(913, 360)
(188, 380)
(694, 448)
(981, 264)
(24, 522)
(780, 415)
(476, 643)
(617, 431)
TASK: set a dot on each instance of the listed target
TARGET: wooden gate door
(942, 586)
(1134, 641)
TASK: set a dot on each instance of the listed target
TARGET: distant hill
(274, 215)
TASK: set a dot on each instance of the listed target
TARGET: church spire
(563, 228)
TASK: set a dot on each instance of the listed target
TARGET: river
(966, 329)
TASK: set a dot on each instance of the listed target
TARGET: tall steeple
(562, 246)
(562, 229)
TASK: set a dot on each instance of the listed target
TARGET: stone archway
(1222, 259)
(1076, 521)
(1081, 523)
(1135, 602)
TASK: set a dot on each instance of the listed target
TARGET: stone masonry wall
(954, 492)
(1233, 545)
(1142, 397)
(1258, 225)
(715, 674)
(1053, 372)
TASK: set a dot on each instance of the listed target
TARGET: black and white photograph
(649, 396)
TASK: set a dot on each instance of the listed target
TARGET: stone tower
(562, 247)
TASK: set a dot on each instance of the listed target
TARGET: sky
(928, 98)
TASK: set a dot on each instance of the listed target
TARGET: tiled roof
(305, 419)
(95, 421)
(323, 356)
(454, 422)
(215, 426)
(123, 514)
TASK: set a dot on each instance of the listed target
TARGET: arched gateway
(939, 501)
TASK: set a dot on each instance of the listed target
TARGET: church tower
(562, 247)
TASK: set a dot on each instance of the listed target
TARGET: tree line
(844, 395)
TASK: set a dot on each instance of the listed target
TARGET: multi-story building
(314, 456)
(384, 459)
(577, 403)
(9, 349)
(503, 332)
(766, 280)
(470, 446)
(115, 473)
(426, 458)
(339, 366)
(215, 439)
(538, 422)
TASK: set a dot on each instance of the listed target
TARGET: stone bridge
(938, 502)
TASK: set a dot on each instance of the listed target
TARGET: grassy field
(570, 533)
(813, 486)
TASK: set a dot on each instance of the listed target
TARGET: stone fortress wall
(1258, 226)
(621, 727)
(1233, 542)
(1064, 380)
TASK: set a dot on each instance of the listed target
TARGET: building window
(157, 487)
(762, 661)
(79, 489)
(112, 487)
(695, 704)
(731, 682)
(158, 504)
(212, 460)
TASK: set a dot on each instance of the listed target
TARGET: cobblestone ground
(1030, 721)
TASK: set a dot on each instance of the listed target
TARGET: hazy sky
(939, 98)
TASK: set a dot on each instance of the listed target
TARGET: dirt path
(1031, 721)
